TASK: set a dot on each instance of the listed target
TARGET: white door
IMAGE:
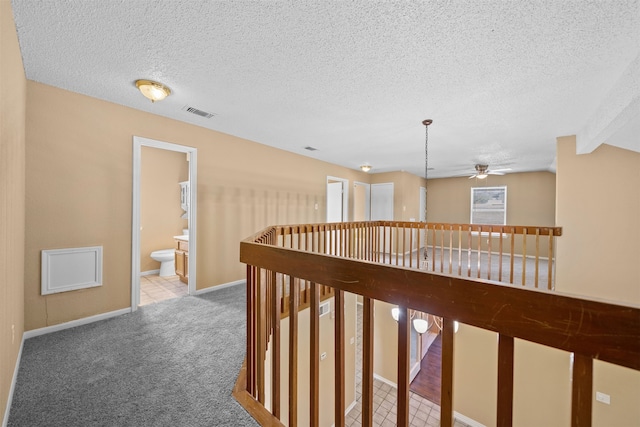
(334, 201)
(382, 201)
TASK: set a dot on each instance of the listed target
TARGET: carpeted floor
(173, 363)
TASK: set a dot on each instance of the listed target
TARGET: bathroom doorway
(177, 221)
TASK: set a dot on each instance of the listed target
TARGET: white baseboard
(218, 287)
(384, 380)
(5, 421)
(467, 420)
(149, 273)
(72, 324)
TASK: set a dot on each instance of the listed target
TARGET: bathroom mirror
(184, 198)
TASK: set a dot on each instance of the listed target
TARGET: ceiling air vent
(310, 148)
(198, 112)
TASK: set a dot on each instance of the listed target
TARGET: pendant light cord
(426, 124)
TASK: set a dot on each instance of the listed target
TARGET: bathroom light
(395, 313)
(365, 168)
(153, 90)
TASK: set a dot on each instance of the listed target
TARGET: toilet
(166, 258)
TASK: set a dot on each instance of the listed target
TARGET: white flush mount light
(395, 313)
(153, 90)
(365, 168)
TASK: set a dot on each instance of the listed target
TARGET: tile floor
(154, 288)
(421, 411)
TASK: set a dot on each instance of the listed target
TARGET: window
(489, 205)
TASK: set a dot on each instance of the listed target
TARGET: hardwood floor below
(427, 382)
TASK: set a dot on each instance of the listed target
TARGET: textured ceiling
(354, 79)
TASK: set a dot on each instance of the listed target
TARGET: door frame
(138, 143)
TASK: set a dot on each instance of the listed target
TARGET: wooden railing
(379, 261)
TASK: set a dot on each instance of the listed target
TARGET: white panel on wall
(70, 269)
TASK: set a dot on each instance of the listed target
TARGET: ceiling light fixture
(153, 90)
(365, 168)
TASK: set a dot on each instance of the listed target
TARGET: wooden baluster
(537, 256)
(433, 248)
(459, 250)
(450, 249)
(314, 346)
(396, 242)
(285, 295)
(367, 362)
(441, 248)
(505, 381)
(275, 347)
(524, 256)
(469, 243)
(293, 354)
(404, 244)
(404, 365)
(489, 254)
(339, 357)
(418, 245)
(550, 285)
(581, 390)
(384, 244)
(410, 245)
(479, 250)
(251, 337)
(261, 337)
(446, 385)
(500, 256)
(511, 261)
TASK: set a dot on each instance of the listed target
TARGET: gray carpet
(173, 363)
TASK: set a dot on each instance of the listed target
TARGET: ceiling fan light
(365, 168)
(482, 175)
(153, 90)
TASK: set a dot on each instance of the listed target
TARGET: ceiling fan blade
(472, 176)
(494, 173)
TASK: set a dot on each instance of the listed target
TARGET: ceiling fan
(483, 171)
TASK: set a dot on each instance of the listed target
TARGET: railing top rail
(505, 229)
(601, 330)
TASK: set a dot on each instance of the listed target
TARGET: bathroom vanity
(182, 257)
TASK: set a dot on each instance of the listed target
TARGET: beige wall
(12, 201)
(79, 189)
(160, 212)
(327, 366)
(531, 198)
(599, 207)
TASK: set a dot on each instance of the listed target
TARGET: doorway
(138, 143)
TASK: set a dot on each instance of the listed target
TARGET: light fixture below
(153, 90)
(365, 168)
(420, 325)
